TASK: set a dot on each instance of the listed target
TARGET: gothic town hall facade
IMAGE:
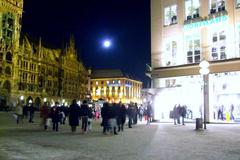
(32, 71)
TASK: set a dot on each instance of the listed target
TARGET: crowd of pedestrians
(179, 112)
(113, 115)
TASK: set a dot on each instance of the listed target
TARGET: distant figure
(104, 114)
(178, 114)
(84, 113)
(183, 113)
(175, 114)
(45, 114)
(74, 111)
(130, 112)
(90, 118)
(31, 112)
(149, 113)
(112, 118)
(141, 112)
(19, 111)
(25, 111)
(55, 114)
(231, 112)
(123, 112)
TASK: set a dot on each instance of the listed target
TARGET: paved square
(162, 141)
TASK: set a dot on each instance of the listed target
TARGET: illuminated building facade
(184, 33)
(30, 69)
(114, 86)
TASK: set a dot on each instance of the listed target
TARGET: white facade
(185, 32)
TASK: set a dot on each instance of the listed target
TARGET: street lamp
(204, 71)
(21, 98)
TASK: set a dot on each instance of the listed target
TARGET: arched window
(9, 57)
(8, 70)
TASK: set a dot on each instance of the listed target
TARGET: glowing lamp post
(204, 71)
(21, 98)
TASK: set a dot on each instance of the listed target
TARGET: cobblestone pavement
(162, 141)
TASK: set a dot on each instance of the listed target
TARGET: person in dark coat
(44, 114)
(112, 115)
(104, 114)
(149, 113)
(183, 112)
(74, 111)
(175, 114)
(84, 113)
(55, 114)
(135, 114)
(66, 112)
(130, 112)
(123, 112)
(31, 112)
(25, 111)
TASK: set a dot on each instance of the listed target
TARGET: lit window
(239, 38)
(119, 82)
(192, 9)
(237, 3)
(107, 82)
(218, 45)
(113, 81)
(169, 56)
(170, 15)
(96, 82)
(193, 49)
(216, 6)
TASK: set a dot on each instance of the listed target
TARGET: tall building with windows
(184, 33)
(114, 86)
(33, 71)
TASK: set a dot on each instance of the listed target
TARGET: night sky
(125, 22)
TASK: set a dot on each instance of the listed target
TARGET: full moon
(107, 44)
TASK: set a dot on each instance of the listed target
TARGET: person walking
(175, 114)
(149, 113)
(84, 112)
(183, 113)
(135, 114)
(19, 111)
(130, 112)
(31, 112)
(45, 115)
(123, 112)
(74, 111)
(55, 114)
(25, 111)
(112, 115)
(104, 114)
(141, 111)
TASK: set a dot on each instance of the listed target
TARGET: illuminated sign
(205, 23)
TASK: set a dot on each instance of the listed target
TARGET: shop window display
(165, 99)
(225, 97)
